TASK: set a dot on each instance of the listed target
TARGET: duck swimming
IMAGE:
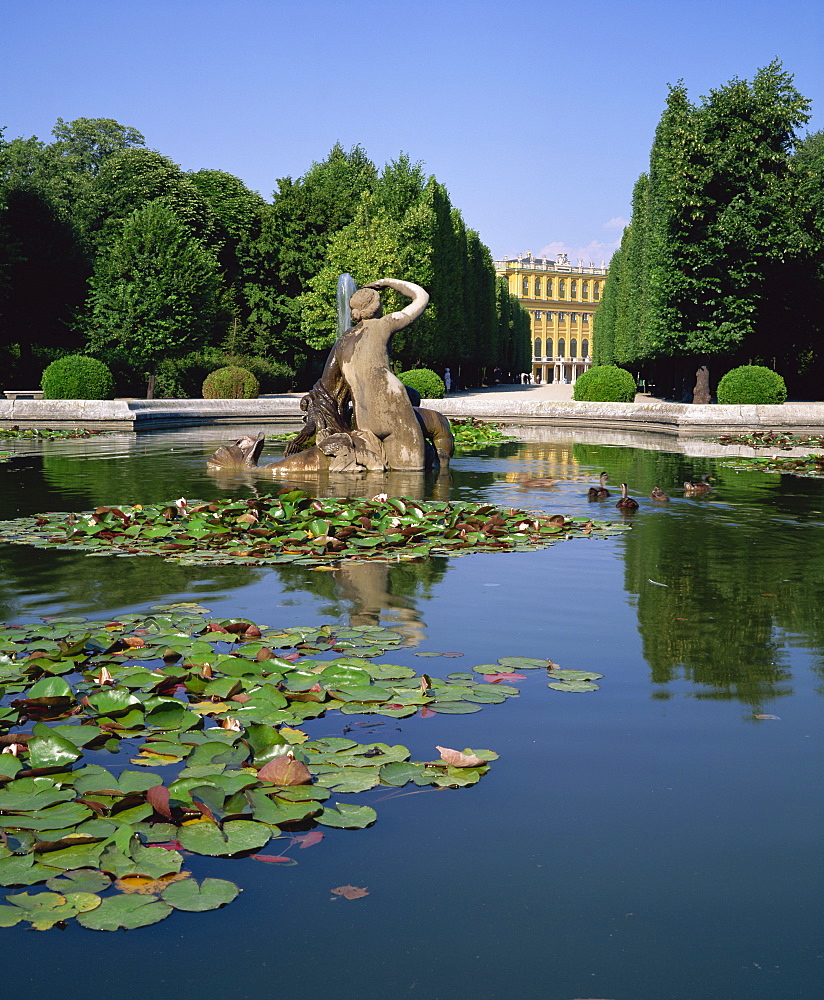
(658, 494)
(626, 502)
(599, 492)
(693, 489)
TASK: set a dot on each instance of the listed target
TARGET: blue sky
(538, 117)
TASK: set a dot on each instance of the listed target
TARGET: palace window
(573, 317)
(561, 317)
(585, 348)
(549, 288)
(538, 314)
(596, 289)
(584, 289)
(537, 347)
(573, 290)
(537, 287)
(549, 347)
(573, 348)
(561, 346)
(549, 317)
(585, 318)
(525, 287)
(561, 287)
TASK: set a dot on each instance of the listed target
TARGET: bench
(23, 393)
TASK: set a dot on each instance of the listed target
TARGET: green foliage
(231, 382)
(428, 383)
(605, 384)
(718, 251)
(77, 377)
(155, 292)
(752, 384)
(88, 142)
(182, 378)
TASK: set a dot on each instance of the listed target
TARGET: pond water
(653, 840)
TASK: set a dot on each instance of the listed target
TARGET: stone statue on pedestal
(359, 412)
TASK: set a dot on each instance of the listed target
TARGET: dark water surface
(653, 840)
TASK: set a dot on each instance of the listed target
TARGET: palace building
(561, 299)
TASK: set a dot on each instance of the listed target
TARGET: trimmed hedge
(428, 383)
(77, 377)
(752, 384)
(605, 384)
(232, 382)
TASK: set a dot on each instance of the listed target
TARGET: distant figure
(701, 392)
(447, 380)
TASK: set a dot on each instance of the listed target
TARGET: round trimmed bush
(605, 384)
(231, 382)
(752, 384)
(77, 377)
(428, 383)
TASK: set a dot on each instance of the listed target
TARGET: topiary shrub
(605, 384)
(428, 383)
(232, 382)
(77, 377)
(752, 384)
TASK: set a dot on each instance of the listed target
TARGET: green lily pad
(125, 912)
(211, 894)
(573, 687)
(347, 817)
(82, 880)
(236, 837)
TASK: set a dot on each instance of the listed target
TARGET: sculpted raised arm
(419, 296)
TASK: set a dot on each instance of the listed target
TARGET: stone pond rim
(646, 414)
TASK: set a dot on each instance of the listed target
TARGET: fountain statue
(361, 416)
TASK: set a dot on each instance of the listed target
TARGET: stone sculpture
(701, 392)
(359, 413)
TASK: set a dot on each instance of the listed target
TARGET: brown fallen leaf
(350, 891)
(285, 770)
(457, 759)
(146, 886)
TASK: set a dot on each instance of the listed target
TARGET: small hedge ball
(605, 384)
(752, 384)
(231, 383)
(77, 377)
(428, 383)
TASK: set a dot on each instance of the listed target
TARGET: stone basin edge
(676, 419)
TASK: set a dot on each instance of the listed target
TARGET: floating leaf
(211, 894)
(236, 837)
(347, 817)
(458, 759)
(125, 912)
(350, 891)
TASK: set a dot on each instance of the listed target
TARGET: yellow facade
(561, 299)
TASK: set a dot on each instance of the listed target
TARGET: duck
(599, 492)
(658, 494)
(626, 502)
(693, 489)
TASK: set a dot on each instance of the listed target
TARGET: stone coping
(654, 416)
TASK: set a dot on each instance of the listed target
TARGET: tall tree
(88, 142)
(155, 293)
(712, 226)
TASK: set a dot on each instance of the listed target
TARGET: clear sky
(538, 117)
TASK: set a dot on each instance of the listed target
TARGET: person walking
(447, 380)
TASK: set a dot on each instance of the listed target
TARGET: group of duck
(626, 502)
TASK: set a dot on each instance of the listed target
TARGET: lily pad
(125, 912)
(211, 894)
(236, 837)
(347, 817)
